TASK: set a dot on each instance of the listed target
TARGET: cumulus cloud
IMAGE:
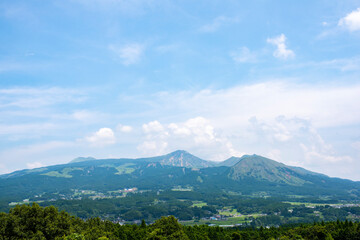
(196, 135)
(156, 138)
(153, 147)
(200, 129)
(281, 51)
(153, 127)
(306, 145)
(34, 165)
(318, 157)
(104, 136)
(242, 102)
(243, 55)
(129, 54)
(217, 23)
(295, 142)
(351, 21)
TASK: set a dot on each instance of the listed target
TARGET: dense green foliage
(151, 206)
(34, 222)
(202, 207)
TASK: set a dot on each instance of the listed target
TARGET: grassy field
(312, 204)
(125, 169)
(65, 173)
(229, 221)
(198, 204)
(229, 212)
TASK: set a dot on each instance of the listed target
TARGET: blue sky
(115, 78)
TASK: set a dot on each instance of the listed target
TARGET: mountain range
(249, 175)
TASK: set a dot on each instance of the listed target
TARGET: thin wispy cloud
(128, 54)
(26, 97)
(217, 23)
(243, 55)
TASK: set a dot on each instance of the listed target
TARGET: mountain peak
(182, 158)
(231, 161)
(179, 152)
(263, 168)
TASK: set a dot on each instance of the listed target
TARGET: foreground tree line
(35, 222)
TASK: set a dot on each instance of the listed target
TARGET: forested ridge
(35, 222)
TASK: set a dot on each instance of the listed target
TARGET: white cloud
(217, 23)
(196, 135)
(274, 154)
(269, 100)
(297, 134)
(243, 55)
(124, 128)
(315, 157)
(104, 136)
(179, 130)
(34, 165)
(153, 147)
(129, 54)
(153, 127)
(281, 51)
(201, 129)
(87, 116)
(351, 21)
(300, 144)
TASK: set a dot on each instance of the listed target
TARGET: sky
(138, 78)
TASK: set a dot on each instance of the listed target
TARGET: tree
(167, 228)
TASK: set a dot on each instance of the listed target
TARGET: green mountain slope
(178, 170)
(265, 169)
(82, 159)
(229, 162)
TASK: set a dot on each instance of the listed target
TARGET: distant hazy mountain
(247, 175)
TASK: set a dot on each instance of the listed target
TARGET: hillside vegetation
(34, 222)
